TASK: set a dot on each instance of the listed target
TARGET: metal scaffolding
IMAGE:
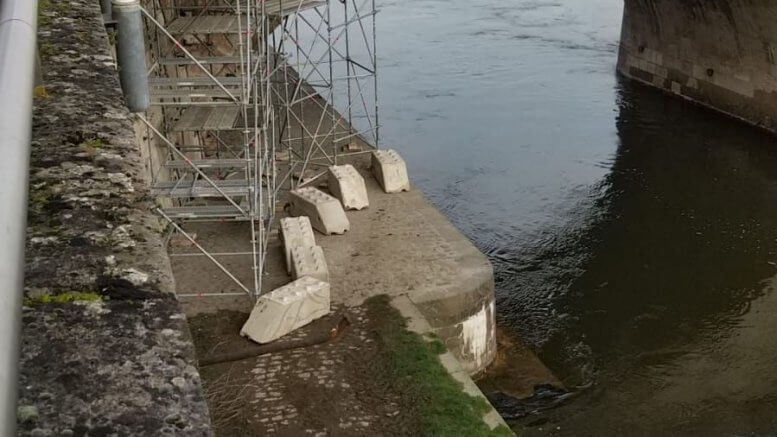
(251, 98)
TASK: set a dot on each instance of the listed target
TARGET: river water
(633, 235)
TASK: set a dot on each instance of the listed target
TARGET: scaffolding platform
(210, 118)
(167, 93)
(206, 25)
(272, 7)
(203, 164)
(227, 81)
(201, 188)
(213, 118)
(205, 213)
(204, 60)
(284, 8)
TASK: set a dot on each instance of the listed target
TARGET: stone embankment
(105, 348)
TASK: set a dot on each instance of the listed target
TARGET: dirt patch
(343, 387)
(376, 378)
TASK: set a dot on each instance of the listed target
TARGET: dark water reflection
(634, 236)
(671, 309)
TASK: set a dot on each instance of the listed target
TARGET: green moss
(112, 37)
(94, 142)
(68, 296)
(39, 196)
(45, 49)
(91, 146)
(44, 7)
(40, 92)
(443, 408)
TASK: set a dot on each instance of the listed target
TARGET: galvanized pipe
(18, 23)
(107, 9)
(131, 54)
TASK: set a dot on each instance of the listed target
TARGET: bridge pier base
(718, 53)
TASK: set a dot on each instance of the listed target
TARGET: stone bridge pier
(718, 53)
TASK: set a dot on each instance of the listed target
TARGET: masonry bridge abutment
(718, 53)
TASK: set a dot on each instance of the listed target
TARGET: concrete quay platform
(399, 246)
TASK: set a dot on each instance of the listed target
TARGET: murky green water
(634, 236)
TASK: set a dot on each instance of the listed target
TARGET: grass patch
(68, 296)
(443, 408)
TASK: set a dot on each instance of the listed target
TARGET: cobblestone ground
(337, 388)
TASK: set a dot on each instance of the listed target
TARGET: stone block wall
(718, 53)
(106, 349)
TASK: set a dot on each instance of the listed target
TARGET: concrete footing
(309, 261)
(289, 307)
(325, 212)
(347, 184)
(295, 232)
(719, 54)
(390, 171)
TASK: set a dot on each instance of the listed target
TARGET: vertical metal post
(375, 72)
(18, 25)
(335, 121)
(131, 54)
(348, 68)
(107, 8)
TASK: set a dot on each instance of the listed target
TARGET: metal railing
(18, 21)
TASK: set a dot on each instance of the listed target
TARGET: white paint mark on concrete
(475, 333)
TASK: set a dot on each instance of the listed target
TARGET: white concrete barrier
(347, 184)
(309, 261)
(390, 171)
(295, 232)
(287, 308)
(325, 212)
